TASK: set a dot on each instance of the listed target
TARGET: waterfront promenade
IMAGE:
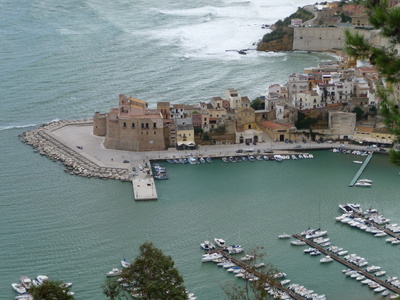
(84, 154)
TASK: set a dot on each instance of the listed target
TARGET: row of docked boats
(159, 171)
(276, 157)
(370, 221)
(191, 160)
(354, 152)
(25, 284)
(208, 246)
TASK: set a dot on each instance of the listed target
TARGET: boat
(326, 259)
(298, 243)
(309, 250)
(210, 257)
(365, 180)
(234, 249)
(279, 275)
(380, 273)
(24, 297)
(18, 287)
(286, 281)
(363, 184)
(343, 252)
(192, 160)
(284, 236)
(202, 160)
(161, 176)
(371, 269)
(232, 159)
(379, 289)
(225, 159)
(42, 278)
(125, 263)
(278, 157)
(66, 285)
(35, 282)
(247, 257)
(114, 272)
(220, 242)
(209, 160)
(26, 282)
(207, 245)
(259, 265)
(315, 252)
(251, 158)
(357, 161)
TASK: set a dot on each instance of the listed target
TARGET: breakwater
(48, 145)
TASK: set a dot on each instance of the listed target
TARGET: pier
(380, 227)
(143, 184)
(363, 166)
(253, 271)
(349, 265)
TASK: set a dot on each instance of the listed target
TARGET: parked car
(297, 146)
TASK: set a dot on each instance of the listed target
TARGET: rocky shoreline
(47, 145)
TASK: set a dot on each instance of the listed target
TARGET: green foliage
(344, 18)
(303, 122)
(385, 59)
(198, 131)
(253, 290)
(153, 276)
(206, 137)
(395, 157)
(257, 104)
(113, 290)
(281, 26)
(220, 130)
(359, 112)
(50, 290)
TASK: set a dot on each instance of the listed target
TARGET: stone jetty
(46, 143)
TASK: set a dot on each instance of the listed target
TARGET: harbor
(83, 154)
(348, 265)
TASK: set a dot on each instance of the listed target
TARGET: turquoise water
(77, 234)
(66, 60)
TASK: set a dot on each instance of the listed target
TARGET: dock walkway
(258, 274)
(363, 166)
(349, 265)
(380, 227)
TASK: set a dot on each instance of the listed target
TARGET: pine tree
(152, 276)
(50, 290)
(386, 59)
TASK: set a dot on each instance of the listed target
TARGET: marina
(348, 265)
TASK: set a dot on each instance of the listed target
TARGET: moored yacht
(207, 245)
(220, 242)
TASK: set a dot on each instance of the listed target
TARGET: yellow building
(278, 132)
(373, 135)
(185, 134)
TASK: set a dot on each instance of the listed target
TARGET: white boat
(209, 160)
(35, 282)
(365, 180)
(207, 245)
(66, 285)
(371, 269)
(259, 265)
(309, 250)
(284, 236)
(220, 242)
(210, 257)
(360, 277)
(234, 249)
(343, 252)
(363, 184)
(26, 282)
(279, 275)
(192, 160)
(247, 257)
(42, 278)
(298, 243)
(114, 272)
(315, 252)
(286, 281)
(357, 161)
(380, 273)
(125, 263)
(18, 287)
(326, 259)
(202, 160)
(24, 297)
(379, 289)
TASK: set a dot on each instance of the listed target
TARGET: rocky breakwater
(76, 164)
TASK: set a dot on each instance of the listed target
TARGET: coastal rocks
(76, 164)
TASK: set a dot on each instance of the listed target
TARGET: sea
(66, 60)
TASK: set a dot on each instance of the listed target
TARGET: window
(147, 125)
(154, 125)
(133, 125)
(155, 132)
(124, 124)
(142, 126)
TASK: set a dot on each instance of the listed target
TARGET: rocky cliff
(284, 43)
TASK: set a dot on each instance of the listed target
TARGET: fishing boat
(114, 272)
